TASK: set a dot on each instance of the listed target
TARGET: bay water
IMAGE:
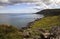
(18, 19)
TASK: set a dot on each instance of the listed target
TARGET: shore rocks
(55, 31)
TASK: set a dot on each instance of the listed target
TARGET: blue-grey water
(18, 20)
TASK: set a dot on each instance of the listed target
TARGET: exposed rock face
(55, 31)
(50, 12)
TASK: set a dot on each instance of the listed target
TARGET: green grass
(46, 22)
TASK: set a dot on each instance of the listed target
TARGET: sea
(18, 20)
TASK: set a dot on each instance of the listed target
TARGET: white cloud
(37, 5)
(45, 3)
(4, 1)
(1, 7)
(22, 1)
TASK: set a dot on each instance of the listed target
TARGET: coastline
(30, 23)
(41, 28)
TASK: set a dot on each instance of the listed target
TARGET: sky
(27, 6)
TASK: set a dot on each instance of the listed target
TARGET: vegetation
(50, 12)
(36, 29)
(43, 25)
(33, 32)
(9, 32)
(47, 22)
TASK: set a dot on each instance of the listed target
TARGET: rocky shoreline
(30, 23)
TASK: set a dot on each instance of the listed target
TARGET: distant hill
(50, 12)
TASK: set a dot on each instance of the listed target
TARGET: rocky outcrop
(55, 31)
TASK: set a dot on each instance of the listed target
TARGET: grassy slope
(46, 22)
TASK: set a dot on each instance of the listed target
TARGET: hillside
(50, 12)
(47, 22)
(44, 25)
(44, 28)
(52, 18)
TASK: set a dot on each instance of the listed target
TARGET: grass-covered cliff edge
(52, 18)
(47, 22)
(39, 29)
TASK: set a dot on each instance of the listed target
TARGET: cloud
(1, 7)
(31, 5)
(11, 2)
(2, 2)
(45, 3)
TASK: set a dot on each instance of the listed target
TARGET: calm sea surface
(18, 20)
